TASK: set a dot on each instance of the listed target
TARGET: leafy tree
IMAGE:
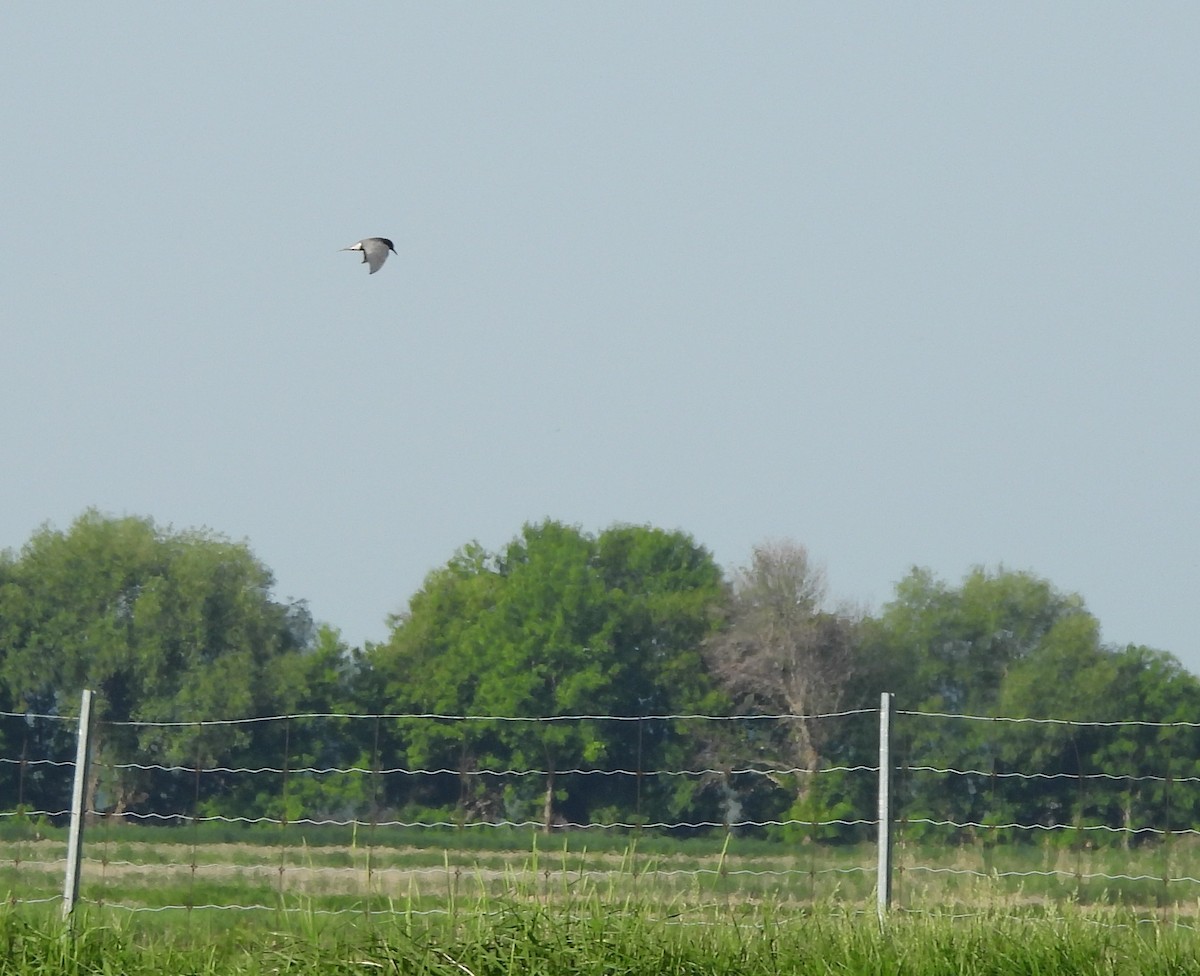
(956, 644)
(162, 624)
(1010, 645)
(315, 689)
(1068, 678)
(558, 623)
(951, 649)
(1159, 765)
(1081, 681)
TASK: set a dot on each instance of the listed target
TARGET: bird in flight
(374, 251)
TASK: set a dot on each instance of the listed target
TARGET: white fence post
(83, 752)
(883, 878)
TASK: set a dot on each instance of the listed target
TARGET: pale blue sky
(907, 283)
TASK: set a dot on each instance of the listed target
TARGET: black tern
(374, 251)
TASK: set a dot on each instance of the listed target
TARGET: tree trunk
(548, 807)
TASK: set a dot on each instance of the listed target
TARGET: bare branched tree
(781, 651)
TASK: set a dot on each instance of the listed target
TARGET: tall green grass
(587, 939)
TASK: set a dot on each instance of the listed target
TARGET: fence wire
(974, 829)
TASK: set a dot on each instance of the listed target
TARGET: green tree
(1159, 765)
(1111, 757)
(161, 624)
(952, 649)
(324, 728)
(953, 646)
(1068, 678)
(557, 623)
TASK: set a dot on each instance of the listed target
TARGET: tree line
(632, 622)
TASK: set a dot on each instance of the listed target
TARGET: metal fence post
(83, 752)
(883, 879)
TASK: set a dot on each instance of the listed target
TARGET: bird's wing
(374, 253)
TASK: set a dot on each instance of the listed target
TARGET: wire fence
(332, 814)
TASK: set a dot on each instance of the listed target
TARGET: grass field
(181, 902)
(327, 870)
(587, 938)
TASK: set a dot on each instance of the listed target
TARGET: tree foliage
(624, 626)
(1009, 644)
(557, 623)
(161, 624)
